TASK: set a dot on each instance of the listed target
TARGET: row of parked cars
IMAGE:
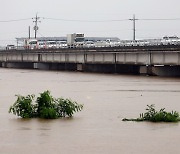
(47, 45)
(34, 44)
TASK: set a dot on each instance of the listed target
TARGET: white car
(41, 45)
(89, 44)
(51, 44)
(10, 47)
(62, 44)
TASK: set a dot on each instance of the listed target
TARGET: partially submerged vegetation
(45, 106)
(157, 116)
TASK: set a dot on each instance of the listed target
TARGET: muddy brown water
(99, 128)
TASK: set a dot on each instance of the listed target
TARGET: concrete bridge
(154, 60)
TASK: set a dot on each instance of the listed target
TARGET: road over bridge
(152, 60)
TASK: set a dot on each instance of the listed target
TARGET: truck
(31, 44)
(75, 40)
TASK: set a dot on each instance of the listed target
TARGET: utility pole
(29, 32)
(36, 20)
(134, 27)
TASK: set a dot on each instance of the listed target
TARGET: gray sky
(89, 10)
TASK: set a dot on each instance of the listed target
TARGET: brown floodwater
(98, 128)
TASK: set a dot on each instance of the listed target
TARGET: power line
(117, 20)
(41, 34)
(158, 19)
(75, 20)
(14, 20)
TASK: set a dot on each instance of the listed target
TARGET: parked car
(89, 44)
(62, 44)
(51, 44)
(42, 45)
(10, 47)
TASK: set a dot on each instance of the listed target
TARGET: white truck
(75, 40)
(30, 44)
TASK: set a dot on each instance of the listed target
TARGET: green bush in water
(45, 106)
(157, 116)
(23, 106)
(48, 113)
(66, 107)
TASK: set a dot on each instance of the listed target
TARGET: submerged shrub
(45, 106)
(48, 113)
(157, 116)
(66, 107)
(23, 106)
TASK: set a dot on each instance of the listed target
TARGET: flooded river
(98, 128)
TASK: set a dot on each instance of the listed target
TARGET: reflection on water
(98, 128)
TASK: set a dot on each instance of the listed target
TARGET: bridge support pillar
(3, 64)
(80, 67)
(42, 66)
(145, 70)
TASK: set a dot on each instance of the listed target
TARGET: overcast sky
(89, 10)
